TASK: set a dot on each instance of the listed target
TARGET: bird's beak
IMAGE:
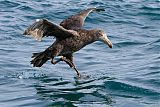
(105, 39)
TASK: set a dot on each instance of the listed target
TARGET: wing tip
(25, 33)
(97, 9)
(100, 9)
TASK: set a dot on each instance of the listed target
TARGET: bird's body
(73, 44)
(70, 38)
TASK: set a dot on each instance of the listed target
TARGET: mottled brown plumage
(70, 37)
(77, 21)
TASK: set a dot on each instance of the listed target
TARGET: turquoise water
(126, 76)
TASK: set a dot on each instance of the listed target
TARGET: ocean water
(126, 76)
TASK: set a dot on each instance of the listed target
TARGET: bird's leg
(69, 61)
(55, 62)
(62, 59)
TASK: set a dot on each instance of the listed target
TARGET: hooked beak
(105, 39)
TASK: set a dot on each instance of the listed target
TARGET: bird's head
(103, 37)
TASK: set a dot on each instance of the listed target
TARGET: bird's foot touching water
(72, 65)
(69, 62)
(78, 74)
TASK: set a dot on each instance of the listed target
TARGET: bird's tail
(39, 59)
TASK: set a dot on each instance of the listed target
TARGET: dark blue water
(126, 76)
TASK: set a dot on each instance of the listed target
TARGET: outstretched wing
(43, 27)
(77, 21)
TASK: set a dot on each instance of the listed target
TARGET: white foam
(20, 77)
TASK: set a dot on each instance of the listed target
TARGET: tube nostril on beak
(106, 41)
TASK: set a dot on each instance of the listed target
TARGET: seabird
(70, 38)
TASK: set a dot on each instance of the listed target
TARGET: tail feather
(39, 59)
(36, 54)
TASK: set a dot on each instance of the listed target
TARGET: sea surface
(128, 75)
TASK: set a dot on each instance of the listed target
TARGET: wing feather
(43, 27)
(77, 21)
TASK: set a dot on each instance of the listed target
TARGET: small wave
(46, 5)
(96, 3)
(19, 99)
(126, 22)
(153, 48)
(8, 4)
(129, 90)
(157, 41)
(150, 8)
(123, 44)
(26, 8)
(151, 14)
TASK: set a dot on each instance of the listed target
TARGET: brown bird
(70, 37)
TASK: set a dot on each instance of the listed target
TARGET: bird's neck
(87, 36)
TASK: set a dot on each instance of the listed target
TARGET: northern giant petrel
(70, 37)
